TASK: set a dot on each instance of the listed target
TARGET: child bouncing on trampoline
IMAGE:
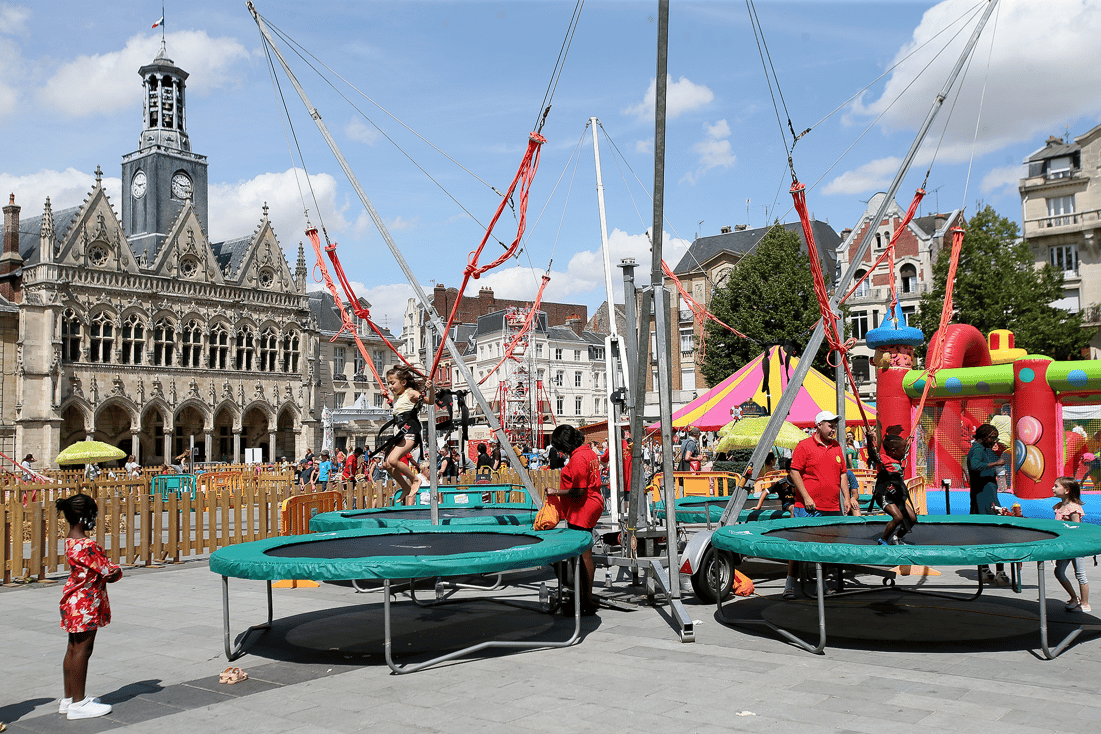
(890, 490)
(84, 604)
(407, 388)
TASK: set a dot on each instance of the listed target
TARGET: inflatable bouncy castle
(984, 381)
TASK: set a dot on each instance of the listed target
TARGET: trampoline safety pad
(398, 553)
(965, 540)
(499, 514)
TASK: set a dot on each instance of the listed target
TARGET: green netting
(504, 514)
(1067, 540)
(252, 560)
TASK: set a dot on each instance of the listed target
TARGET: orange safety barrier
(294, 519)
(917, 495)
(698, 484)
(213, 484)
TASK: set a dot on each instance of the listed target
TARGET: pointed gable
(186, 252)
(89, 236)
(257, 261)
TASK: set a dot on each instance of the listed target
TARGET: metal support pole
(422, 297)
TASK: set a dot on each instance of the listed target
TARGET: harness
(407, 422)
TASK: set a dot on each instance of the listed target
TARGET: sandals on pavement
(230, 676)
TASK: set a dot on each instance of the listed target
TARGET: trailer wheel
(715, 577)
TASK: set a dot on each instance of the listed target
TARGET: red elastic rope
(698, 310)
(525, 174)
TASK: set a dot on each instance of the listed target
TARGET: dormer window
(1060, 167)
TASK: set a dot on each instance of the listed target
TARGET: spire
(46, 234)
(300, 270)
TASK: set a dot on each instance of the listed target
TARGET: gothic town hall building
(144, 333)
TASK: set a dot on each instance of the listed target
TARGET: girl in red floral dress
(84, 605)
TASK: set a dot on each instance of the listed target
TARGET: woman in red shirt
(579, 499)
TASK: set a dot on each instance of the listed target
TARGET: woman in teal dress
(982, 470)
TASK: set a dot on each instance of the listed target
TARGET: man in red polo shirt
(817, 469)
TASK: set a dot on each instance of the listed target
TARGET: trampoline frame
(1049, 652)
(236, 649)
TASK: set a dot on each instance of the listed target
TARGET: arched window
(219, 348)
(164, 343)
(865, 287)
(102, 338)
(268, 347)
(908, 275)
(290, 352)
(191, 344)
(245, 348)
(878, 241)
(70, 336)
(133, 340)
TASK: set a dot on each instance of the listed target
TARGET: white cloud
(100, 83)
(1042, 52)
(874, 176)
(13, 18)
(1003, 177)
(361, 132)
(714, 151)
(645, 147)
(682, 96)
(66, 189)
(236, 209)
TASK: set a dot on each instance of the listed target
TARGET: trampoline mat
(955, 534)
(405, 544)
(424, 513)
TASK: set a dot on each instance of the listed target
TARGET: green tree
(999, 287)
(770, 298)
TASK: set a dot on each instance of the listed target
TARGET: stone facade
(145, 334)
(1061, 212)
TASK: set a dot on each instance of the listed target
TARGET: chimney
(725, 229)
(574, 322)
(845, 233)
(486, 294)
(10, 259)
(741, 227)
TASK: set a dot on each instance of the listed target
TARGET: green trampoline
(401, 553)
(502, 514)
(962, 540)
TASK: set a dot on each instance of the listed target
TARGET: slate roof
(30, 234)
(1054, 149)
(705, 249)
(231, 253)
(323, 309)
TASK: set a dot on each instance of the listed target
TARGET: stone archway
(284, 435)
(255, 432)
(73, 426)
(152, 438)
(113, 427)
(189, 422)
(223, 436)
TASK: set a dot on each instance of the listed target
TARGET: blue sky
(470, 76)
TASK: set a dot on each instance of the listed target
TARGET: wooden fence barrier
(137, 527)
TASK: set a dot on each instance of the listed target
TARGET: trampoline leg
(235, 651)
(817, 649)
(514, 644)
(1053, 652)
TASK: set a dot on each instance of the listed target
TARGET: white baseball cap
(825, 415)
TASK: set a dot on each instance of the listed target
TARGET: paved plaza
(893, 662)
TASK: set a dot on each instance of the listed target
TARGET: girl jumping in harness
(407, 387)
(891, 492)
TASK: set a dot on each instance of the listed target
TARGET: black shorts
(891, 496)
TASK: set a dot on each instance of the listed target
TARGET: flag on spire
(159, 22)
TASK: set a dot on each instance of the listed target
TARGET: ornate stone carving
(141, 390)
(227, 390)
(241, 394)
(193, 388)
(74, 386)
(118, 388)
(157, 391)
(93, 390)
(259, 391)
(172, 393)
(213, 394)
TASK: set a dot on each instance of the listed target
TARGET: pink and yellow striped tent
(711, 411)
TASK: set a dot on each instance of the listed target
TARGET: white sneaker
(87, 709)
(63, 705)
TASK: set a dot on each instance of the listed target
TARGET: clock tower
(163, 173)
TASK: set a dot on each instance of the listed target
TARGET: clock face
(181, 186)
(137, 186)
